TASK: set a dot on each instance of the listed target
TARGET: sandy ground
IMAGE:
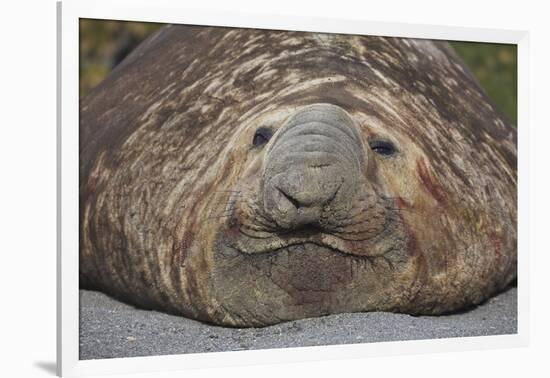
(109, 328)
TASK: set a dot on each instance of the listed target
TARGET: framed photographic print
(284, 189)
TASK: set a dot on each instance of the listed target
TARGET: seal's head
(247, 177)
(313, 226)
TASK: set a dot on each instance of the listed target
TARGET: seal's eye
(262, 136)
(382, 147)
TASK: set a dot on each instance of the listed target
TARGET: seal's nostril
(333, 196)
(320, 165)
(290, 199)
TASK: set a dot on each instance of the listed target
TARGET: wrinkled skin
(248, 177)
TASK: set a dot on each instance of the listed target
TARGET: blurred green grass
(104, 43)
(495, 67)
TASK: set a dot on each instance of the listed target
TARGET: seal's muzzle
(312, 164)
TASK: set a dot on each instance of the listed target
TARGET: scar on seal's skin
(429, 182)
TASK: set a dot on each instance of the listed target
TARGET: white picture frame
(170, 11)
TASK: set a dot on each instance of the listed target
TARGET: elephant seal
(248, 177)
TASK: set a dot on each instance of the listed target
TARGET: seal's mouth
(250, 244)
(369, 230)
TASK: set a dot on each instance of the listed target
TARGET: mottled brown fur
(169, 180)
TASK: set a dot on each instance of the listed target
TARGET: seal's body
(247, 177)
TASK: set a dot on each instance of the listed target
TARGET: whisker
(397, 209)
(223, 212)
(252, 236)
(254, 227)
(217, 217)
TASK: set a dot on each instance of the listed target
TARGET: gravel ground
(109, 328)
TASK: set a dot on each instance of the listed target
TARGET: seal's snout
(312, 165)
